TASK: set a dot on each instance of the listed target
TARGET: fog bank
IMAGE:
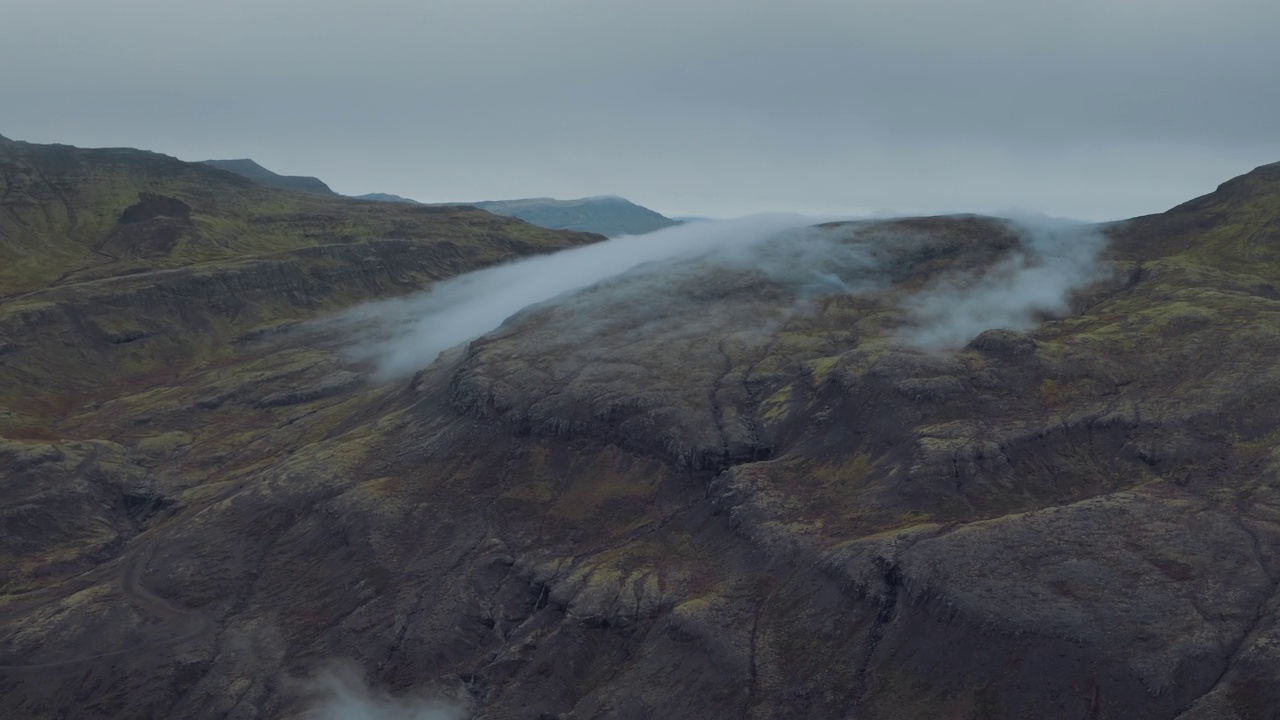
(665, 272)
(406, 334)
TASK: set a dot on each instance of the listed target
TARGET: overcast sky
(1093, 109)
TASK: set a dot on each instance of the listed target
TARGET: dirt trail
(139, 595)
(130, 571)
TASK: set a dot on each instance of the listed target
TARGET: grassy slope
(91, 304)
(61, 204)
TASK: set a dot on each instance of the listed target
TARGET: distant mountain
(252, 170)
(608, 215)
(386, 197)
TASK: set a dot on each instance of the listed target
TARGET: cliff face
(708, 504)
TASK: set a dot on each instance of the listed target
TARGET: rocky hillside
(608, 215)
(705, 505)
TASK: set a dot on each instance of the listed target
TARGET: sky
(1090, 109)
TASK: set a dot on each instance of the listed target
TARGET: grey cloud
(1096, 109)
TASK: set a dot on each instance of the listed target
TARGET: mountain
(147, 268)
(385, 197)
(253, 170)
(607, 215)
(690, 492)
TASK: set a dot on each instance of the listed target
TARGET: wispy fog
(340, 694)
(414, 330)
(668, 271)
(1055, 258)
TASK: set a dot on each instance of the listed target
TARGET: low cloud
(781, 260)
(406, 334)
(1055, 258)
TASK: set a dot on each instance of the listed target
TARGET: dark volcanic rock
(151, 206)
(1009, 343)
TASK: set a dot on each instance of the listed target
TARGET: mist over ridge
(415, 329)
(1056, 257)
(805, 256)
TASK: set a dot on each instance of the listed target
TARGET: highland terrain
(738, 497)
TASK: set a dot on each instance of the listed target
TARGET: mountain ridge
(387, 197)
(608, 215)
(251, 169)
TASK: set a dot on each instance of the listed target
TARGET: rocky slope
(725, 501)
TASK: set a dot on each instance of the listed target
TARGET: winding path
(134, 591)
